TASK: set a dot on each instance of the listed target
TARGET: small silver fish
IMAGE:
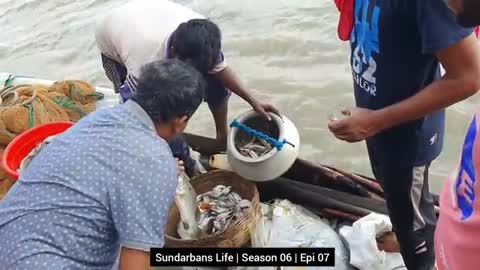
(224, 216)
(225, 204)
(338, 115)
(265, 143)
(219, 208)
(202, 198)
(206, 225)
(187, 206)
(244, 204)
(236, 197)
(218, 191)
(255, 148)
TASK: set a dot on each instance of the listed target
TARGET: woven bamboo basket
(235, 235)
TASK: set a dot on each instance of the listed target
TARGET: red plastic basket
(25, 142)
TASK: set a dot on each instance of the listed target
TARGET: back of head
(469, 16)
(169, 89)
(198, 42)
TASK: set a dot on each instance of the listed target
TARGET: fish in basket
(216, 209)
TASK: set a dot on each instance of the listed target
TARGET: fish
(188, 227)
(218, 191)
(220, 207)
(26, 161)
(207, 213)
(206, 225)
(244, 204)
(196, 158)
(255, 148)
(235, 196)
(338, 116)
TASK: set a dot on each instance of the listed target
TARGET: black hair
(470, 14)
(198, 42)
(167, 89)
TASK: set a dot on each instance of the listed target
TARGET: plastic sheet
(196, 158)
(361, 238)
(284, 224)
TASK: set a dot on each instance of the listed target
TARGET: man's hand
(181, 166)
(360, 124)
(264, 109)
(230, 80)
(134, 259)
(388, 242)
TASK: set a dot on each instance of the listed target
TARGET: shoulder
(147, 160)
(438, 26)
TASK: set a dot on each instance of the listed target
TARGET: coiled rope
(13, 90)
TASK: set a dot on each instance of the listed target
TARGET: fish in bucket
(262, 150)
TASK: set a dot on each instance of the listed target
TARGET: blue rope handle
(276, 143)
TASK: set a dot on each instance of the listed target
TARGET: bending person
(104, 186)
(145, 30)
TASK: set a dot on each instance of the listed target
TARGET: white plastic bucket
(274, 163)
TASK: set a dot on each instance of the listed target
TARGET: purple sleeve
(220, 58)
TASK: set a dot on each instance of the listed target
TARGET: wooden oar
(316, 197)
(371, 185)
(332, 213)
(308, 172)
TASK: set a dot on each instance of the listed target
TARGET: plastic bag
(361, 238)
(284, 224)
(196, 156)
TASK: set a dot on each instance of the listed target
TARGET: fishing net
(6, 183)
(25, 106)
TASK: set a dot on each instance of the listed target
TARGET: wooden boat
(325, 190)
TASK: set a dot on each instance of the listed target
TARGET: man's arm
(139, 206)
(461, 80)
(454, 46)
(134, 259)
(137, 259)
(461, 62)
(231, 81)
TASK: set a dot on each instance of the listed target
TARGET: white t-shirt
(137, 33)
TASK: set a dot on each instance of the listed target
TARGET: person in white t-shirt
(143, 31)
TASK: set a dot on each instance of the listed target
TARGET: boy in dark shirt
(397, 48)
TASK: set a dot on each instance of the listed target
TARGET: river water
(287, 52)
